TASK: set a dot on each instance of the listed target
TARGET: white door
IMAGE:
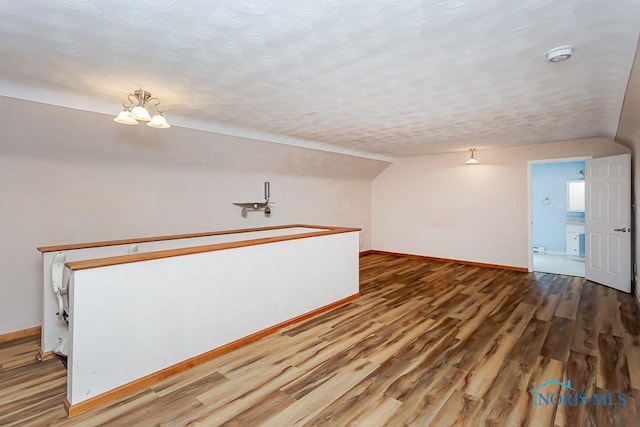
(608, 221)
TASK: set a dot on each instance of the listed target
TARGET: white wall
(629, 135)
(438, 206)
(201, 292)
(64, 179)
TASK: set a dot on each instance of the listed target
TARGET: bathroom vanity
(575, 234)
(575, 224)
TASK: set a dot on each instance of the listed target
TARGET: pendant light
(472, 160)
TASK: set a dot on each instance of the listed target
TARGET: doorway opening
(556, 216)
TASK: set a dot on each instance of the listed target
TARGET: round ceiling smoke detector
(559, 54)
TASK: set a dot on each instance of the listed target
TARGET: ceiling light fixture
(559, 54)
(135, 109)
(472, 160)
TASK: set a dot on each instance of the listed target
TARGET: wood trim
(123, 390)
(46, 355)
(146, 256)
(367, 252)
(151, 239)
(72, 246)
(23, 333)
(454, 261)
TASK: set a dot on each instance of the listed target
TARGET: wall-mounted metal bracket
(258, 206)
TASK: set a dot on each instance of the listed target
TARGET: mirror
(575, 196)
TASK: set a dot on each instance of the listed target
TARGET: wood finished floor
(428, 343)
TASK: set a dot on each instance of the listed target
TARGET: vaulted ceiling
(378, 79)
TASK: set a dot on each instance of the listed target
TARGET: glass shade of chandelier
(136, 110)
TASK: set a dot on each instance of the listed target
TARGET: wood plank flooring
(428, 343)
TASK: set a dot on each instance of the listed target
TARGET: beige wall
(629, 135)
(69, 176)
(438, 206)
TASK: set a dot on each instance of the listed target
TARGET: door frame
(530, 163)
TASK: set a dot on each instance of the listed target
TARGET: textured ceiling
(380, 79)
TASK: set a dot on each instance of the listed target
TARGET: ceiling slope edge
(627, 119)
(91, 104)
(231, 130)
